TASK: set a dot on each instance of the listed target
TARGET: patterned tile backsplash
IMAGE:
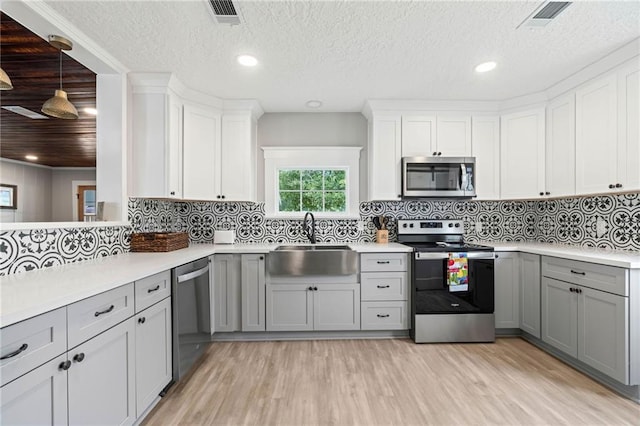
(30, 249)
(608, 221)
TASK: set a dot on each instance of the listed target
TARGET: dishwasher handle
(192, 275)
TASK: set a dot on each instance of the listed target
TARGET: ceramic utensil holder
(382, 236)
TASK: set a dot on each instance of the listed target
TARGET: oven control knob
(411, 225)
(451, 225)
(404, 225)
(457, 225)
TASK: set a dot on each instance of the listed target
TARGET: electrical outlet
(478, 227)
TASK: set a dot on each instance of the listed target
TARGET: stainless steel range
(452, 283)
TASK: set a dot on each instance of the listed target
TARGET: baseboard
(307, 335)
(508, 332)
(140, 419)
(631, 392)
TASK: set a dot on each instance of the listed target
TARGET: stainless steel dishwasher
(191, 304)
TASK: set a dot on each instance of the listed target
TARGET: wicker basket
(159, 241)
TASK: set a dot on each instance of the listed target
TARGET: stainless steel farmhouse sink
(299, 260)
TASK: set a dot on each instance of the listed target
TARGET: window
(302, 190)
(323, 180)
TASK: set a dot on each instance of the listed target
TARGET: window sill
(318, 216)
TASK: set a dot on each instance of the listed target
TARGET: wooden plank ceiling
(33, 66)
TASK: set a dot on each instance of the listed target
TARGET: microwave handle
(464, 178)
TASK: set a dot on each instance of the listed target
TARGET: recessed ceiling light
(313, 104)
(31, 157)
(247, 60)
(91, 111)
(486, 66)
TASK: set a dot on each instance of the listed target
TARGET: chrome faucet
(309, 227)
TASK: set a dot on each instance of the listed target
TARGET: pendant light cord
(60, 69)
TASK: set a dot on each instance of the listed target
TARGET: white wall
(312, 129)
(63, 191)
(34, 192)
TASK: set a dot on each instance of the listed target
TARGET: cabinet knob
(218, 197)
(612, 186)
(434, 153)
(315, 288)
(439, 153)
(223, 197)
(571, 289)
(79, 357)
(261, 257)
(173, 192)
(497, 256)
(541, 194)
(547, 193)
(141, 320)
(65, 365)
(310, 288)
(618, 185)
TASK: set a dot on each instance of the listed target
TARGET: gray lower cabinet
(305, 307)
(153, 353)
(588, 324)
(253, 292)
(530, 293)
(37, 398)
(507, 290)
(226, 289)
(101, 379)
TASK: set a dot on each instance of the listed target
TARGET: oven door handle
(464, 181)
(445, 255)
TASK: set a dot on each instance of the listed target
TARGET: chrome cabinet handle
(383, 286)
(156, 288)
(106, 311)
(16, 352)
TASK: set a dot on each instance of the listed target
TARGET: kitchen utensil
(383, 222)
(376, 222)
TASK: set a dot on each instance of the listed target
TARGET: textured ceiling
(344, 52)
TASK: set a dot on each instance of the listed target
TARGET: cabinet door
(507, 290)
(336, 307)
(37, 398)
(174, 154)
(485, 147)
(253, 292)
(101, 386)
(153, 353)
(238, 150)
(226, 285)
(454, 136)
(384, 158)
(289, 307)
(522, 154)
(530, 293)
(603, 334)
(560, 315)
(596, 129)
(201, 139)
(629, 126)
(418, 135)
(560, 164)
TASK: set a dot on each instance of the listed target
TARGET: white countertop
(32, 293)
(617, 258)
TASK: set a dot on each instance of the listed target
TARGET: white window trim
(313, 157)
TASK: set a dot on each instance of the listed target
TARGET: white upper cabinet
(596, 136)
(629, 126)
(385, 154)
(237, 179)
(156, 145)
(200, 152)
(560, 149)
(486, 149)
(522, 154)
(418, 135)
(453, 136)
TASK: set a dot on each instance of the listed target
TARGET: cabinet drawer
(153, 289)
(32, 343)
(384, 285)
(384, 315)
(96, 314)
(374, 262)
(600, 277)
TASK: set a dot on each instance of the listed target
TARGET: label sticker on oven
(458, 272)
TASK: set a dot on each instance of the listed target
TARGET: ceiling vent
(225, 12)
(544, 14)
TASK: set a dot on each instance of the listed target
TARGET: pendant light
(59, 106)
(5, 81)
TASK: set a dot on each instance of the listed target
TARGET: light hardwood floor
(387, 382)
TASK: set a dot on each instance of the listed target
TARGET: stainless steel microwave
(438, 177)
